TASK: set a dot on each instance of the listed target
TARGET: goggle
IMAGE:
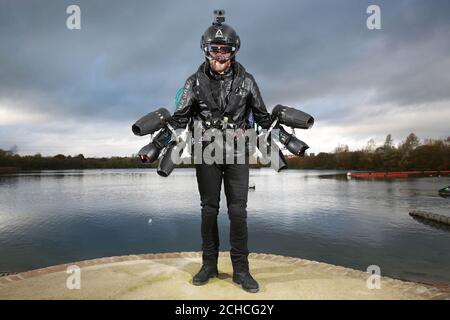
(220, 48)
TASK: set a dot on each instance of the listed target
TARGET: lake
(54, 217)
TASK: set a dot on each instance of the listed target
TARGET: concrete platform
(169, 276)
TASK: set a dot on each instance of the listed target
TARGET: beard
(219, 66)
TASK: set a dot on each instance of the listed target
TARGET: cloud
(426, 121)
(11, 115)
(131, 58)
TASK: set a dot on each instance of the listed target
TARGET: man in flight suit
(222, 90)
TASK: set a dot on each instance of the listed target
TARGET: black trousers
(235, 178)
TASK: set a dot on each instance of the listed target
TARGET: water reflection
(53, 217)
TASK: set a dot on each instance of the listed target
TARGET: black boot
(204, 274)
(246, 280)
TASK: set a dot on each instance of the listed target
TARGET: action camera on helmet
(219, 16)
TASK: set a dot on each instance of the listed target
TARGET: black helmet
(220, 33)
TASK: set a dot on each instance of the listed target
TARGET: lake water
(54, 217)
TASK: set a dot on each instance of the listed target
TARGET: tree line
(410, 154)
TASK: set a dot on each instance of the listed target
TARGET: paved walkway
(168, 276)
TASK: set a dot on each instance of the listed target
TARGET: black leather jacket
(210, 96)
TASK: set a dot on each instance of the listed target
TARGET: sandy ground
(169, 276)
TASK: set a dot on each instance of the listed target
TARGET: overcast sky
(79, 91)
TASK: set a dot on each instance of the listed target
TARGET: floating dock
(439, 218)
(398, 174)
